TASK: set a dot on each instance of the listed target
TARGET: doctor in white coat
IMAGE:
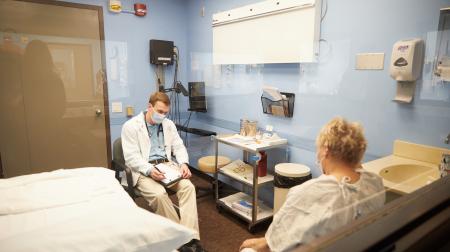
(150, 138)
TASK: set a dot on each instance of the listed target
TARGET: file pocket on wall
(283, 108)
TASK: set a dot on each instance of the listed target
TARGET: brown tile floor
(219, 231)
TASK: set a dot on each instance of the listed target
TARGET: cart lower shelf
(264, 212)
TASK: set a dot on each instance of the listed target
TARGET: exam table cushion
(83, 209)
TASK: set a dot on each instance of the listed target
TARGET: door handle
(98, 112)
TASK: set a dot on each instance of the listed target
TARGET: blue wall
(331, 87)
(127, 50)
(323, 90)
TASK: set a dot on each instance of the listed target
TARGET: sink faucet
(444, 167)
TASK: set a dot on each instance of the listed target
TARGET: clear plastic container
(248, 128)
(251, 128)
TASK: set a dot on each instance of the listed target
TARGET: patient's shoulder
(321, 183)
(314, 190)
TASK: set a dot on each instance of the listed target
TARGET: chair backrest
(118, 159)
(119, 166)
(118, 152)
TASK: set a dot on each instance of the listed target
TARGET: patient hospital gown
(322, 205)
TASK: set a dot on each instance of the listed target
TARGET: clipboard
(171, 172)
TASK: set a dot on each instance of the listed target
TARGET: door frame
(99, 10)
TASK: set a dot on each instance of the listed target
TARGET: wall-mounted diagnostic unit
(161, 52)
(197, 97)
(406, 67)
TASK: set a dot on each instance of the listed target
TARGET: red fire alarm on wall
(140, 9)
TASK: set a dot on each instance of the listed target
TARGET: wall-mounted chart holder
(282, 108)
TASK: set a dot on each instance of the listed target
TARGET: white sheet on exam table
(80, 210)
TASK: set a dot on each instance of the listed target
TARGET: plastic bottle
(262, 164)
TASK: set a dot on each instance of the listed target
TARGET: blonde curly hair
(344, 140)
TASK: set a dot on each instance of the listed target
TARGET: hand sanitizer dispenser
(406, 67)
(406, 60)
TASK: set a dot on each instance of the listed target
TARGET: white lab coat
(136, 145)
(322, 205)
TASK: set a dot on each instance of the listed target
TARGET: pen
(158, 169)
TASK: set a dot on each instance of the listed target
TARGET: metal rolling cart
(259, 212)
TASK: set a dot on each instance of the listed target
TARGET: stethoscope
(160, 129)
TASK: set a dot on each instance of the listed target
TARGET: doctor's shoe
(192, 246)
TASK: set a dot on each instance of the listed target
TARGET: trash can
(287, 175)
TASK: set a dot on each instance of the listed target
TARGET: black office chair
(118, 165)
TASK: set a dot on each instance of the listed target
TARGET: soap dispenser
(406, 67)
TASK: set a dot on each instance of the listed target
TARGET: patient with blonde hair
(342, 194)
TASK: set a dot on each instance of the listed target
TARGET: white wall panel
(267, 32)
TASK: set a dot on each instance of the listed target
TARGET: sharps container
(287, 175)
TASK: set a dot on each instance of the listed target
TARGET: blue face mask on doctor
(157, 117)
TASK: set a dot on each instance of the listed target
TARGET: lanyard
(160, 129)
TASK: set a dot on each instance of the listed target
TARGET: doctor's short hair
(344, 140)
(159, 96)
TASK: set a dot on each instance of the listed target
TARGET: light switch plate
(370, 61)
(130, 111)
(116, 107)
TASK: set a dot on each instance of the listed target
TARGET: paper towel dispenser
(407, 60)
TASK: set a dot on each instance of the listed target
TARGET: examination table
(84, 209)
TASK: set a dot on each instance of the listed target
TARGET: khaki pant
(156, 196)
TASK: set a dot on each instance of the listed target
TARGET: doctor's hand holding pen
(156, 174)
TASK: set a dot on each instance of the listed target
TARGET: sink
(410, 174)
(410, 167)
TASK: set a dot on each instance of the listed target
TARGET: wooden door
(53, 96)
